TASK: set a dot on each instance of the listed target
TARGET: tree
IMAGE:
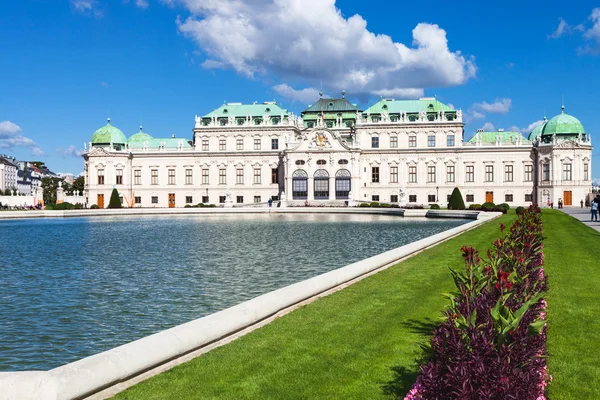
(78, 185)
(50, 185)
(456, 200)
(115, 200)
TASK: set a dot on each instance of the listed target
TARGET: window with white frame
(137, 177)
(508, 173)
(171, 177)
(257, 176)
(508, 198)
(393, 142)
(412, 174)
(100, 177)
(546, 171)
(470, 198)
(222, 144)
(257, 144)
(430, 173)
(239, 144)
(586, 172)
(412, 198)
(375, 174)
(470, 173)
(154, 177)
(450, 173)
(393, 174)
(567, 172)
(119, 177)
(450, 140)
(431, 141)
(528, 173)
(489, 173)
(375, 142)
(412, 141)
(239, 176)
(205, 176)
(204, 144)
(222, 176)
(275, 144)
(189, 179)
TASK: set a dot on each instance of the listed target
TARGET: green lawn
(362, 342)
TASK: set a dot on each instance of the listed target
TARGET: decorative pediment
(567, 143)
(98, 152)
(320, 139)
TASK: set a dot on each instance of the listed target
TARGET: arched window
(257, 121)
(300, 162)
(240, 121)
(321, 184)
(343, 180)
(343, 162)
(431, 117)
(321, 162)
(223, 122)
(275, 121)
(299, 184)
(310, 124)
(349, 124)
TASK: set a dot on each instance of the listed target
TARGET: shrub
(50, 206)
(115, 201)
(504, 206)
(78, 206)
(94, 207)
(492, 344)
(456, 200)
(434, 206)
(384, 205)
(374, 204)
(520, 210)
(364, 205)
(475, 207)
(64, 206)
(488, 206)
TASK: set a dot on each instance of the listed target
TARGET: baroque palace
(407, 152)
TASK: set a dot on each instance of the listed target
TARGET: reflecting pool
(70, 288)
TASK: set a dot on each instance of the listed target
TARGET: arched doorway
(342, 184)
(321, 185)
(299, 185)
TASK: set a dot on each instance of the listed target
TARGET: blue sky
(69, 64)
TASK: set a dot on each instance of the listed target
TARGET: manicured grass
(362, 342)
(572, 253)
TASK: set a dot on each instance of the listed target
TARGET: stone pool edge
(105, 374)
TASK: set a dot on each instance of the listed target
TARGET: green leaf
(535, 328)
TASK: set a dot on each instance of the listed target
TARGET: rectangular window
(412, 141)
(239, 176)
(528, 197)
(274, 175)
(274, 144)
(528, 173)
(257, 144)
(171, 177)
(450, 173)
(489, 173)
(154, 177)
(188, 200)
(137, 177)
(412, 174)
(138, 200)
(256, 176)
(448, 198)
(431, 141)
(394, 198)
(375, 174)
(189, 178)
(586, 172)
(567, 172)
(100, 177)
(205, 199)
(431, 174)
(239, 144)
(393, 174)
(508, 198)
(393, 142)
(205, 176)
(375, 142)
(546, 171)
(154, 199)
(222, 144)
(470, 173)
(508, 173)
(470, 198)
(204, 144)
(222, 199)
(119, 177)
(412, 198)
(450, 140)
(222, 176)
(431, 198)
(375, 197)
(239, 199)
(257, 199)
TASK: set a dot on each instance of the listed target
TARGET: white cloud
(71, 151)
(562, 29)
(402, 93)
(11, 136)
(141, 3)
(311, 41)
(592, 34)
(473, 114)
(306, 95)
(500, 106)
(86, 7)
(488, 127)
(532, 126)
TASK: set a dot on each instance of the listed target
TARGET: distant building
(29, 177)
(8, 172)
(396, 151)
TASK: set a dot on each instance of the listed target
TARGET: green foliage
(456, 200)
(94, 207)
(115, 200)
(364, 205)
(78, 185)
(434, 206)
(505, 207)
(374, 204)
(475, 207)
(50, 206)
(50, 185)
(488, 206)
(520, 210)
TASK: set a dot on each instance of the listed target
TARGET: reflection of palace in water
(396, 151)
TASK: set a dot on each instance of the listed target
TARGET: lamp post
(437, 194)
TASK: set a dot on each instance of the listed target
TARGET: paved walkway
(582, 214)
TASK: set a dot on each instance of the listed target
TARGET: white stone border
(93, 374)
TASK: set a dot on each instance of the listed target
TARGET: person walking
(581, 203)
(594, 210)
(270, 202)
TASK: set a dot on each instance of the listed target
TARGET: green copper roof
(490, 137)
(331, 105)
(242, 110)
(563, 124)
(141, 136)
(409, 106)
(537, 131)
(108, 134)
(155, 144)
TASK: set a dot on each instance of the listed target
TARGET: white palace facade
(406, 152)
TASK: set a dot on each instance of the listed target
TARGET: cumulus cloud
(306, 95)
(562, 29)
(71, 151)
(11, 136)
(139, 3)
(311, 41)
(86, 7)
(488, 127)
(500, 106)
(592, 34)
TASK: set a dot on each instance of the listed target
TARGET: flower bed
(492, 343)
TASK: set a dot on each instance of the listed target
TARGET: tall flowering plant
(492, 343)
